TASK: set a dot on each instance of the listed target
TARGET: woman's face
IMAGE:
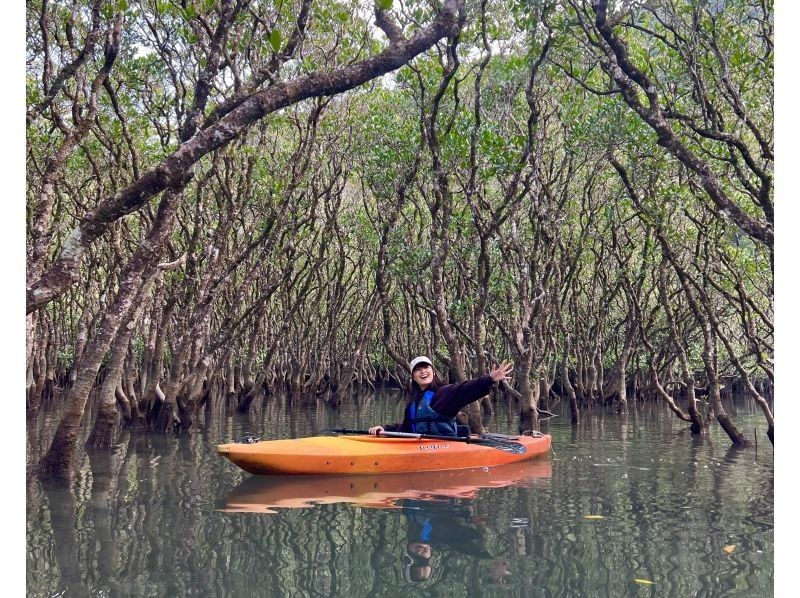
(420, 550)
(423, 375)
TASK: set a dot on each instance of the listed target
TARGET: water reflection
(61, 503)
(433, 526)
(163, 516)
(438, 529)
(262, 494)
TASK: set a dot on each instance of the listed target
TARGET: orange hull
(369, 455)
(261, 495)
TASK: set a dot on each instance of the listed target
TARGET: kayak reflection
(265, 494)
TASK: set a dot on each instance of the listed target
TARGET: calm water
(168, 517)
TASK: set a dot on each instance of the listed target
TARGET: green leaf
(275, 39)
(384, 4)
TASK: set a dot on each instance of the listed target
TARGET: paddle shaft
(509, 446)
(409, 435)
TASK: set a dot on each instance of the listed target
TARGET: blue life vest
(425, 420)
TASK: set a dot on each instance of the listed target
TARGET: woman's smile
(423, 375)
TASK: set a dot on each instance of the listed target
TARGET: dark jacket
(445, 522)
(449, 400)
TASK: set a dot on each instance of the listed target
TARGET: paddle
(496, 443)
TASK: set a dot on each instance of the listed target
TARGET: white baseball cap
(418, 360)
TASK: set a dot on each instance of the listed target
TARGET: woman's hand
(501, 372)
(376, 430)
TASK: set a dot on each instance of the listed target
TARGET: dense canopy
(229, 200)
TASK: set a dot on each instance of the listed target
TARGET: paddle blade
(513, 448)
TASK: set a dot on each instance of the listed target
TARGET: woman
(434, 405)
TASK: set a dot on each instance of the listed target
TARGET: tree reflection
(147, 519)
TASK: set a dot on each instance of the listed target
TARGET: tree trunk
(58, 458)
(124, 405)
(33, 402)
(187, 397)
(566, 385)
(162, 414)
(529, 404)
(257, 389)
(737, 438)
(105, 424)
(128, 390)
(617, 385)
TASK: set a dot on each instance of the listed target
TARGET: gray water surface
(623, 506)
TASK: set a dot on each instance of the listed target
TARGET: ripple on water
(666, 506)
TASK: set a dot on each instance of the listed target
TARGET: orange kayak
(365, 454)
(264, 494)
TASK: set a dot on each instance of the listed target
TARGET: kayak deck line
(374, 455)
